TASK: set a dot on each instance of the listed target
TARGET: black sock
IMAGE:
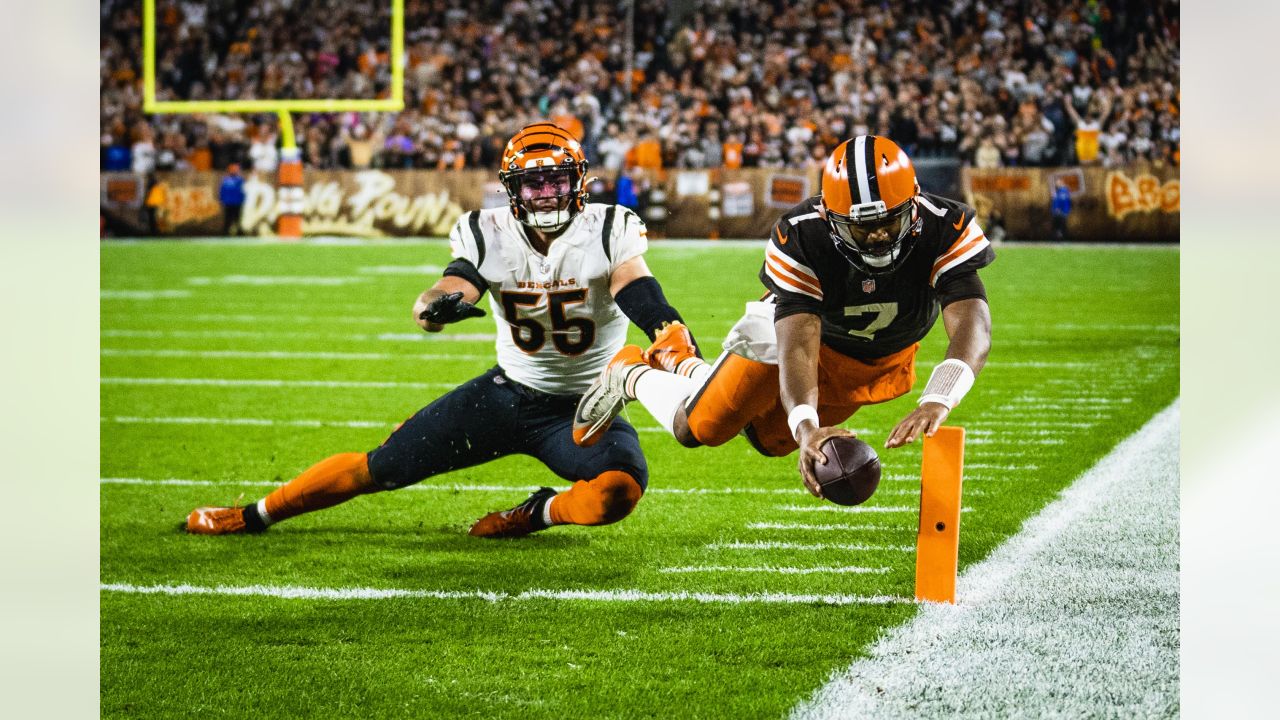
(252, 520)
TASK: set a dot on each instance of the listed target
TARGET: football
(852, 472)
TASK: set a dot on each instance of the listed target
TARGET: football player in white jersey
(564, 278)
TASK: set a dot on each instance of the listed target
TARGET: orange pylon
(938, 537)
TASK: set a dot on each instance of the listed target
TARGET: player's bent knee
(387, 474)
(710, 432)
(619, 495)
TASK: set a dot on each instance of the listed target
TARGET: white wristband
(799, 414)
(948, 383)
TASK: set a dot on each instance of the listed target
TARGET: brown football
(852, 472)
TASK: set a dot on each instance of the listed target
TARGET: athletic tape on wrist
(948, 383)
(799, 414)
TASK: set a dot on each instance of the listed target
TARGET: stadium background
(708, 117)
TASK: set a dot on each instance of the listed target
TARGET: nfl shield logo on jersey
(868, 286)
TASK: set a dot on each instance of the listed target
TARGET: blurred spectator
(1060, 208)
(263, 153)
(157, 195)
(231, 195)
(716, 84)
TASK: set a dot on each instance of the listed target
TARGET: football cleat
(606, 397)
(519, 521)
(671, 346)
(216, 521)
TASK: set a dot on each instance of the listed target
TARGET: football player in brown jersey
(856, 277)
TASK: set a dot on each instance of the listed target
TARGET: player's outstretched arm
(451, 299)
(799, 340)
(640, 297)
(968, 324)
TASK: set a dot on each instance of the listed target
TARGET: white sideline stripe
(999, 466)
(842, 570)
(129, 420)
(1039, 628)
(855, 510)
(281, 354)
(290, 592)
(271, 382)
(773, 545)
(839, 528)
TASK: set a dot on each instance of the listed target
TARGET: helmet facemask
(548, 197)
(872, 237)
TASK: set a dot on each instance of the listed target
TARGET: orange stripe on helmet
(539, 142)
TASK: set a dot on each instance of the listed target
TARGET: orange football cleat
(216, 521)
(606, 397)
(519, 521)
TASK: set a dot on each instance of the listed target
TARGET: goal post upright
(290, 198)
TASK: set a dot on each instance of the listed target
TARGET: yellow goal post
(290, 197)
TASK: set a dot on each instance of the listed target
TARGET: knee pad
(619, 494)
(606, 499)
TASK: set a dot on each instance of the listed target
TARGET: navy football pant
(491, 416)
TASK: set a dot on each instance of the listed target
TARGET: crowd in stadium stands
(716, 83)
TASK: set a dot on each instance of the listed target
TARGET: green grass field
(230, 367)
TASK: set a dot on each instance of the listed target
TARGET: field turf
(229, 367)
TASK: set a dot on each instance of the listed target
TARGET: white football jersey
(557, 322)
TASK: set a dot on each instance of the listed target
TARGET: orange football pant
(743, 393)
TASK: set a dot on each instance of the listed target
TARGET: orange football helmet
(544, 171)
(868, 189)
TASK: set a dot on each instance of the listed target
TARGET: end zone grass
(229, 367)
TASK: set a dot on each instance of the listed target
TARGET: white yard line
(1077, 615)
(282, 354)
(143, 294)
(301, 335)
(263, 280)
(264, 422)
(835, 528)
(292, 592)
(770, 569)
(855, 510)
(808, 547)
(452, 487)
(274, 382)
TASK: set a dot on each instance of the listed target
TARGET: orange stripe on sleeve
(782, 277)
(783, 261)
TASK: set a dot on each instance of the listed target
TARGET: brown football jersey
(871, 316)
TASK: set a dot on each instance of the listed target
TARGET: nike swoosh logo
(782, 239)
(960, 222)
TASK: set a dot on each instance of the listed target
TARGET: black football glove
(450, 309)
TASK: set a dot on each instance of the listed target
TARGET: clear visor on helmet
(546, 195)
(877, 236)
